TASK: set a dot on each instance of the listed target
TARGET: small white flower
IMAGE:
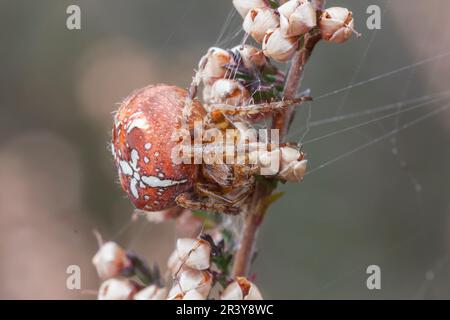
(191, 279)
(269, 162)
(297, 17)
(229, 91)
(110, 260)
(251, 56)
(278, 47)
(152, 292)
(336, 24)
(244, 6)
(116, 289)
(207, 94)
(195, 253)
(295, 171)
(289, 155)
(214, 68)
(177, 294)
(241, 289)
(258, 21)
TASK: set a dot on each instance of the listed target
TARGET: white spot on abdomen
(126, 168)
(156, 182)
(133, 188)
(140, 123)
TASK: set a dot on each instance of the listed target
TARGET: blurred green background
(58, 89)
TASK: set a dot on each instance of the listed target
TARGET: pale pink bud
(174, 264)
(276, 46)
(110, 260)
(193, 295)
(295, 171)
(207, 94)
(151, 293)
(177, 294)
(230, 92)
(244, 6)
(269, 162)
(258, 21)
(214, 68)
(191, 279)
(251, 56)
(297, 17)
(195, 254)
(336, 24)
(117, 289)
(288, 155)
(241, 289)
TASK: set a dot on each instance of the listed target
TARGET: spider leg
(217, 111)
(231, 196)
(186, 200)
(193, 88)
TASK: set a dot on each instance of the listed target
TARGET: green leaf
(273, 198)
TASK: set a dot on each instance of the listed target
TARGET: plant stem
(257, 205)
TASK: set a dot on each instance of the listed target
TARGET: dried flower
(194, 253)
(276, 46)
(117, 289)
(295, 171)
(336, 24)
(230, 92)
(191, 279)
(268, 162)
(110, 260)
(152, 292)
(244, 6)
(214, 68)
(177, 294)
(251, 56)
(293, 167)
(297, 17)
(259, 20)
(241, 289)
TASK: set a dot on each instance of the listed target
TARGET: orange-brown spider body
(142, 146)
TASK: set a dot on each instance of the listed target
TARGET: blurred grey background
(58, 89)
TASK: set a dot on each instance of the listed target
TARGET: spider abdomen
(142, 145)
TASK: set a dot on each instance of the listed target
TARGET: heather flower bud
(259, 20)
(230, 92)
(214, 68)
(174, 264)
(117, 289)
(289, 155)
(244, 6)
(268, 161)
(151, 293)
(191, 279)
(276, 46)
(251, 56)
(241, 289)
(110, 260)
(297, 17)
(207, 94)
(195, 254)
(177, 294)
(295, 171)
(336, 24)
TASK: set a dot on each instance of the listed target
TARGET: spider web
(385, 119)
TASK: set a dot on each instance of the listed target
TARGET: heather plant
(202, 163)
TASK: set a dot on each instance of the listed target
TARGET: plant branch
(257, 206)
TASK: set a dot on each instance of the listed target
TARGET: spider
(143, 144)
